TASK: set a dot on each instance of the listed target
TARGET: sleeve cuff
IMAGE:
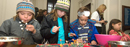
(69, 35)
(51, 30)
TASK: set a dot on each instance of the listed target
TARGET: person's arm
(94, 16)
(5, 28)
(70, 39)
(94, 32)
(91, 21)
(70, 34)
(125, 37)
(102, 21)
(46, 29)
(112, 32)
(37, 36)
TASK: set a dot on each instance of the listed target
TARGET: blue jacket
(92, 28)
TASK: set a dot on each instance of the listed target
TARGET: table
(9, 44)
(67, 45)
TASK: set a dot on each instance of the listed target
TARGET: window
(50, 5)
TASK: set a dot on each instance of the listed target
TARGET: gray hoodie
(13, 27)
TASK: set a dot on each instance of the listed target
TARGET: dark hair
(113, 21)
(44, 10)
(40, 13)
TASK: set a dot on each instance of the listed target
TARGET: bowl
(103, 39)
(7, 41)
(119, 43)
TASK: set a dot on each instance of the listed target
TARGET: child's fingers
(73, 34)
(79, 40)
(72, 39)
(125, 38)
(93, 43)
(128, 37)
(29, 27)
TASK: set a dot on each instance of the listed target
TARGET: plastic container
(103, 39)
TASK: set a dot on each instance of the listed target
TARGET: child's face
(83, 20)
(117, 26)
(60, 13)
(45, 12)
(25, 16)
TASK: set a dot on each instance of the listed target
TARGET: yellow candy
(86, 39)
(71, 42)
(60, 45)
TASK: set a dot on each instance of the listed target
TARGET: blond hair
(100, 8)
(55, 16)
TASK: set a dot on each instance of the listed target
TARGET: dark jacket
(12, 27)
(40, 18)
(47, 26)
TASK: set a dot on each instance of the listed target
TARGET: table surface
(38, 45)
(11, 45)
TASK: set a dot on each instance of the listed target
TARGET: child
(23, 24)
(83, 27)
(55, 28)
(114, 29)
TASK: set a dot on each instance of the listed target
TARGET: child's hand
(79, 40)
(93, 42)
(126, 37)
(55, 29)
(72, 39)
(31, 28)
(72, 34)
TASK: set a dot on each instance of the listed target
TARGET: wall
(85, 2)
(7, 9)
(1, 4)
(73, 9)
(41, 4)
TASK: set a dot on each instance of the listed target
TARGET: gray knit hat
(25, 6)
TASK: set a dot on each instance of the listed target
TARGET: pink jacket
(125, 37)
